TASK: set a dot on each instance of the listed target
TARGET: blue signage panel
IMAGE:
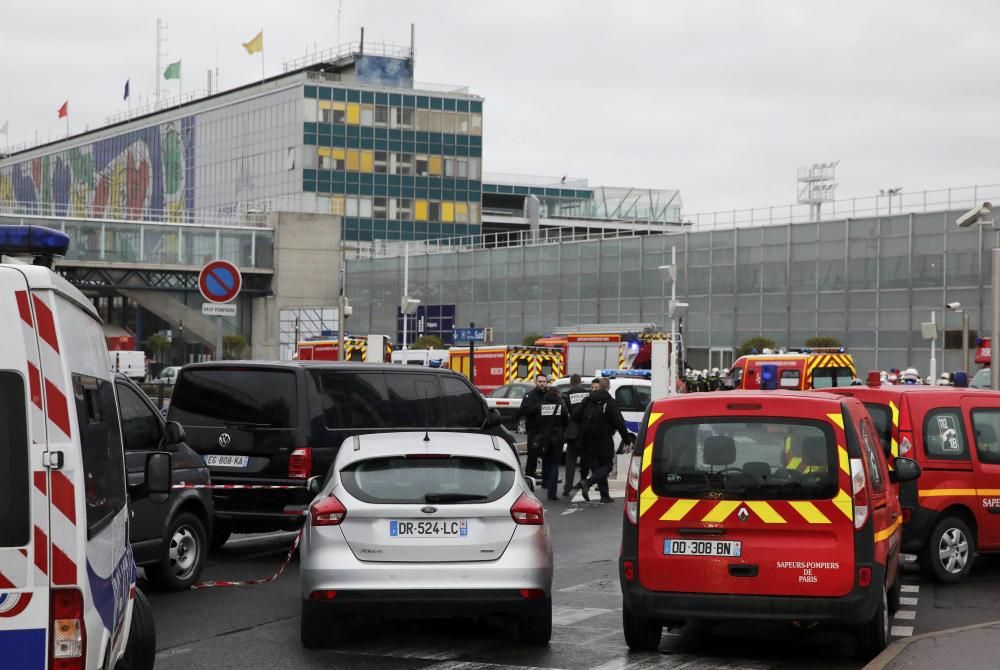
(469, 335)
(428, 320)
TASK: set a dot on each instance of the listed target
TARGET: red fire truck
(611, 347)
(499, 365)
(357, 348)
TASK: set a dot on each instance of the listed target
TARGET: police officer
(574, 397)
(552, 418)
(600, 418)
(529, 404)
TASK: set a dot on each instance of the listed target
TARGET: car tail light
(905, 443)
(864, 576)
(300, 463)
(632, 489)
(327, 594)
(327, 512)
(69, 632)
(527, 511)
(860, 489)
(532, 594)
(628, 569)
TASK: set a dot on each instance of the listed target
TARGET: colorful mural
(143, 174)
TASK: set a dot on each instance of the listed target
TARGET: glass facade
(396, 166)
(870, 282)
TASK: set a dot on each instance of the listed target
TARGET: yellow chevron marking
(646, 500)
(884, 534)
(845, 462)
(721, 510)
(837, 418)
(654, 417)
(808, 511)
(794, 463)
(766, 513)
(845, 504)
(647, 457)
(895, 414)
(678, 510)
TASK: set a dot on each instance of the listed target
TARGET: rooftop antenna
(427, 418)
(817, 185)
(340, 6)
(161, 38)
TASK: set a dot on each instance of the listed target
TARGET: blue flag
(126, 89)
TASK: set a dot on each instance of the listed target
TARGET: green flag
(173, 71)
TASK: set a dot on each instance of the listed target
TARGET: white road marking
(901, 631)
(908, 615)
(566, 616)
(570, 511)
(606, 586)
(909, 558)
(909, 588)
(177, 651)
(912, 602)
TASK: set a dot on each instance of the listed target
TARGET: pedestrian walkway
(968, 647)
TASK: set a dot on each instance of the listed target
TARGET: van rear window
(882, 417)
(15, 522)
(745, 459)
(235, 397)
(824, 378)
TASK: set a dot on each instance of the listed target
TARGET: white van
(132, 364)
(67, 579)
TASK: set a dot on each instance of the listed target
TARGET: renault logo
(224, 440)
(743, 514)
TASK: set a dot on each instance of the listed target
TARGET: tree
(234, 346)
(758, 343)
(822, 341)
(529, 340)
(428, 342)
(158, 345)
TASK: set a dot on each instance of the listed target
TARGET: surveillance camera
(973, 216)
(953, 305)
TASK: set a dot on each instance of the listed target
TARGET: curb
(896, 648)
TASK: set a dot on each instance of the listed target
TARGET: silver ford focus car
(425, 525)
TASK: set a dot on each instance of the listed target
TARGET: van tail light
(527, 511)
(69, 631)
(327, 511)
(632, 489)
(628, 569)
(300, 463)
(325, 594)
(905, 443)
(864, 576)
(859, 485)
(532, 594)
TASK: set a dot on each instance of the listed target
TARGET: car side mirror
(906, 470)
(493, 419)
(159, 477)
(314, 484)
(173, 433)
(531, 483)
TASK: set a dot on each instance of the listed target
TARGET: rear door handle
(701, 531)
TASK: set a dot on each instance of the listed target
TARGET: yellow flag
(256, 45)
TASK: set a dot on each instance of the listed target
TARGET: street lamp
(929, 331)
(957, 308)
(975, 216)
(675, 310)
(407, 305)
(891, 192)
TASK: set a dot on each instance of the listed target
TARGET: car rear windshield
(824, 378)
(745, 459)
(882, 416)
(253, 397)
(15, 522)
(422, 480)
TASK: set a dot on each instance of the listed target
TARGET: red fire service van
(797, 370)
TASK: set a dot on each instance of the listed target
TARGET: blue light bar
(32, 241)
(639, 374)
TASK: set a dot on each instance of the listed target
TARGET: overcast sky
(722, 100)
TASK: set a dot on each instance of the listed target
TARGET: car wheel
(140, 650)
(873, 636)
(220, 534)
(182, 554)
(950, 550)
(536, 629)
(641, 633)
(318, 629)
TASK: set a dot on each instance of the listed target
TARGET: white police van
(67, 580)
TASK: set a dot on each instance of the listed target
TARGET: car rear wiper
(453, 497)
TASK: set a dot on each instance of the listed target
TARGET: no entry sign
(219, 281)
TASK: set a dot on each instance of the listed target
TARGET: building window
(423, 119)
(449, 167)
(401, 118)
(434, 211)
(463, 168)
(333, 112)
(353, 113)
(434, 165)
(436, 122)
(337, 205)
(421, 165)
(367, 161)
(474, 212)
(365, 208)
(353, 160)
(367, 115)
(351, 207)
(380, 207)
(400, 209)
(462, 212)
(448, 124)
(401, 163)
(420, 210)
(381, 162)
(381, 115)
(448, 212)
(475, 124)
(462, 123)
(474, 169)
(331, 159)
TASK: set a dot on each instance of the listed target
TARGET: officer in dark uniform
(529, 406)
(574, 396)
(600, 419)
(552, 418)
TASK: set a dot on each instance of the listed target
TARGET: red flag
(64, 110)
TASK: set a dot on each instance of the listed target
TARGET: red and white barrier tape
(233, 487)
(252, 582)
